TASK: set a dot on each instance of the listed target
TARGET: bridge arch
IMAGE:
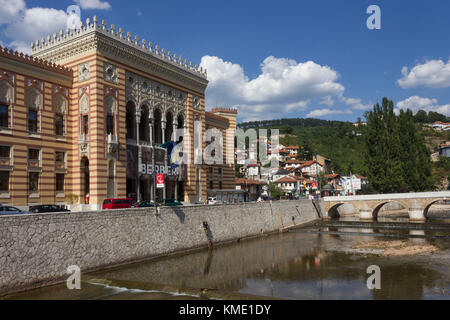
(378, 207)
(427, 207)
(333, 212)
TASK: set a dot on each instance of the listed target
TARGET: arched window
(180, 125)
(34, 104)
(84, 115)
(144, 125)
(6, 98)
(111, 111)
(158, 128)
(131, 120)
(60, 107)
(169, 126)
(180, 121)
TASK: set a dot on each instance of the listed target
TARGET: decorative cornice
(19, 56)
(224, 110)
(117, 46)
(216, 119)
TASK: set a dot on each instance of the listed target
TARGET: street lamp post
(138, 123)
(152, 121)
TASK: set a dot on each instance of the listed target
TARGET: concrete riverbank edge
(36, 250)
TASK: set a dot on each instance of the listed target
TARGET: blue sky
(285, 58)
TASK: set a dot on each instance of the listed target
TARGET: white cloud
(283, 86)
(35, 24)
(326, 112)
(432, 74)
(11, 10)
(416, 103)
(328, 101)
(93, 4)
(354, 103)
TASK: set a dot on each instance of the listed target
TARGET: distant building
(252, 187)
(293, 151)
(280, 174)
(287, 184)
(312, 168)
(445, 150)
(293, 164)
(324, 162)
(441, 126)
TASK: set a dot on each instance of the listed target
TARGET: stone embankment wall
(36, 250)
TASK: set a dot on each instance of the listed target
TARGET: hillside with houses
(324, 158)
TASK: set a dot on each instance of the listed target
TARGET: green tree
(323, 181)
(382, 154)
(275, 191)
(435, 116)
(421, 117)
(415, 157)
(286, 129)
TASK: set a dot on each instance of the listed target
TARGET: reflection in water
(296, 265)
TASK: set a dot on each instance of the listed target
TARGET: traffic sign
(160, 181)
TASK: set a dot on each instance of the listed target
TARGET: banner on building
(161, 166)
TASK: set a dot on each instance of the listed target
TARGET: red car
(112, 204)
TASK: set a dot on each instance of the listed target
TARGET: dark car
(143, 204)
(8, 211)
(170, 203)
(47, 209)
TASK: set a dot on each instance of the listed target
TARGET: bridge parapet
(369, 206)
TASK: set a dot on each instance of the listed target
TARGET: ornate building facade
(88, 113)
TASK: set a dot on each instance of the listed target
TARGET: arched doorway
(85, 183)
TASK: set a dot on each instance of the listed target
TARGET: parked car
(112, 204)
(47, 209)
(170, 203)
(143, 204)
(8, 210)
(212, 200)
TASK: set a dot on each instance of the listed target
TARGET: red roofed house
(311, 168)
(287, 184)
(293, 163)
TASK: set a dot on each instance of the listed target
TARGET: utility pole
(154, 162)
(351, 182)
(138, 123)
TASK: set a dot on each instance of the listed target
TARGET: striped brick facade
(91, 68)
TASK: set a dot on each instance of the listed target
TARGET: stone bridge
(418, 204)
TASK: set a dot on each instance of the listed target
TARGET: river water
(321, 261)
